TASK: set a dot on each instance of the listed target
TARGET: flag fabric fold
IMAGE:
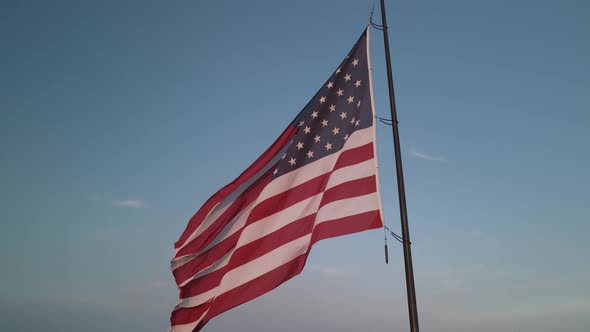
(316, 181)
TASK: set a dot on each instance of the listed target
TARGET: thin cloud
(424, 156)
(330, 271)
(130, 203)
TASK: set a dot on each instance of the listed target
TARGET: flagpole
(412, 309)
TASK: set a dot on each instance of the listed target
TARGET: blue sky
(119, 119)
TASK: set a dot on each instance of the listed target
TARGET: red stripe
(256, 287)
(354, 188)
(276, 277)
(288, 198)
(312, 187)
(265, 208)
(202, 284)
(355, 156)
(249, 252)
(278, 203)
(241, 294)
(188, 315)
(261, 245)
(209, 234)
(205, 259)
(259, 164)
(347, 225)
(258, 248)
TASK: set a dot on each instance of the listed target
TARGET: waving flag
(317, 180)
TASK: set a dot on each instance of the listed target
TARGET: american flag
(317, 180)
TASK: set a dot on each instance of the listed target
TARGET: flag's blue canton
(339, 108)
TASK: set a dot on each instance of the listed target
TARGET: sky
(118, 119)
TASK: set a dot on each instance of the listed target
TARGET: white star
(306, 130)
(322, 100)
(309, 154)
(328, 146)
(314, 114)
(340, 92)
(336, 130)
(338, 71)
(355, 62)
(330, 85)
(353, 120)
(358, 83)
(343, 115)
(324, 123)
(299, 146)
(357, 123)
(350, 99)
(292, 161)
(275, 172)
(301, 123)
(317, 138)
(358, 104)
(332, 108)
(347, 77)
(345, 137)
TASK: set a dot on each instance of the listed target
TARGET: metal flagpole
(412, 309)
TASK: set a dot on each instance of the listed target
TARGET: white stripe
(280, 219)
(289, 180)
(264, 264)
(269, 224)
(353, 172)
(230, 228)
(210, 219)
(359, 138)
(265, 226)
(222, 206)
(292, 179)
(374, 128)
(348, 207)
(316, 168)
(276, 221)
(285, 253)
(197, 299)
(220, 263)
(304, 208)
(252, 270)
(213, 215)
(187, 327)
(283, 216)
